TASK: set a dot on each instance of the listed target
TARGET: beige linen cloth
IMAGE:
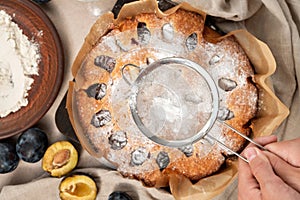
(275, 22)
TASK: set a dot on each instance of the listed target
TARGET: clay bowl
(36, 25)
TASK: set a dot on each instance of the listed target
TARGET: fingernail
(250, 153)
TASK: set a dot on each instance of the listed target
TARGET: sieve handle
(123, 75)
(242, 135)
(227, 148)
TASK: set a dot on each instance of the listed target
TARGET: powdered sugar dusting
(224, 59)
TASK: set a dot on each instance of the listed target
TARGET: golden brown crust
(191, 166)
(225, 60)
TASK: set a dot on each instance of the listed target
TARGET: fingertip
(264, 140)
(251, 153)
(273, 138)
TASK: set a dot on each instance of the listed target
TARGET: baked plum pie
(100, 105)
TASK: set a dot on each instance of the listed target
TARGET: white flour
(19, 58)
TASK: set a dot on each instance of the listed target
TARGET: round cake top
(169, 99)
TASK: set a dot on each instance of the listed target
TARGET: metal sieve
(170, 98)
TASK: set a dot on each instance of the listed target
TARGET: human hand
(270, 175)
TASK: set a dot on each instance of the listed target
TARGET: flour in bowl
(19, 59)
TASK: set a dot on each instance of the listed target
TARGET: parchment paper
(271, 111)
(277, 23)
